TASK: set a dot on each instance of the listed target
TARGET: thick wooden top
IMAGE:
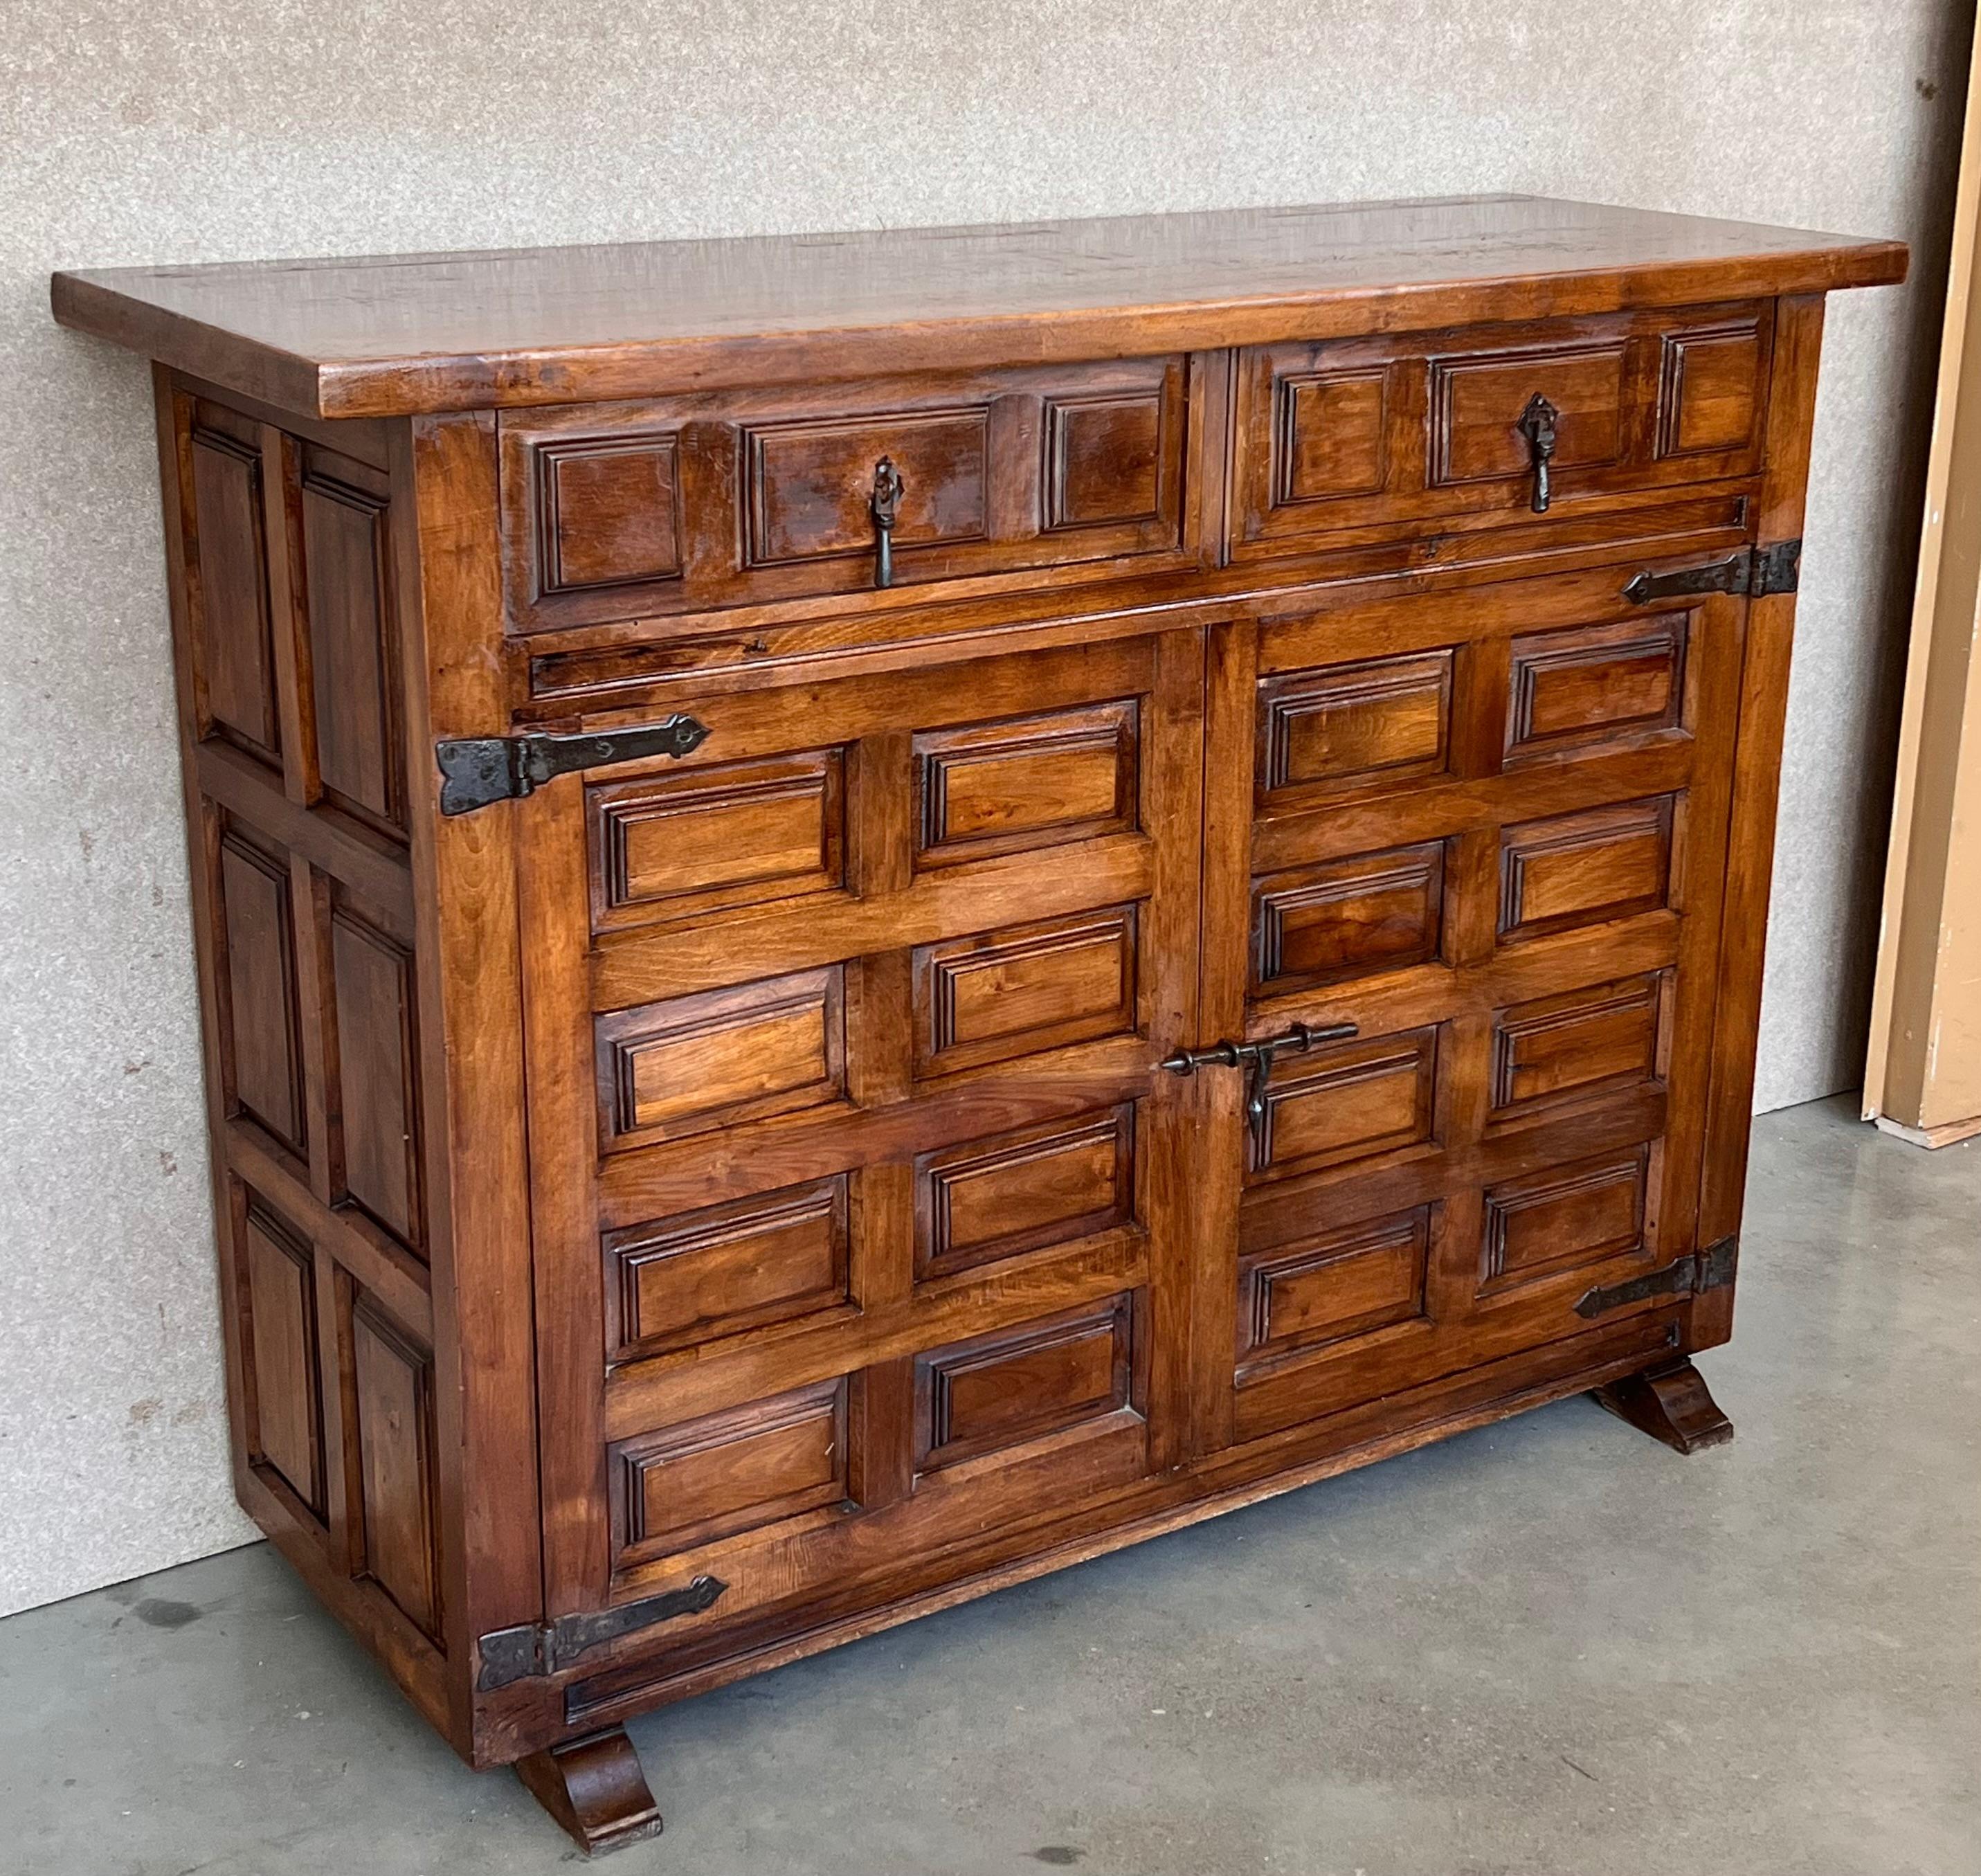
(546, 325)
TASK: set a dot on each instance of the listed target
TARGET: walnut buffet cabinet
(876, 912)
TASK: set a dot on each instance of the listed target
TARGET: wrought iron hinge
(1756, 572)
(477, 770)
(516, 1653)
(1693, 1274)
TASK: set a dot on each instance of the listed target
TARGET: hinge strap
(531, 1648)
(1757, 572)
(1690, 1275)
(477, 770)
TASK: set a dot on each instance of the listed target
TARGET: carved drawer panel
(1344, 433)
(699, 504)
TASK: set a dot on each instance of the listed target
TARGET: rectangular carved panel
(1475, 403)
(395, 1428)
(730, 1471)
(1022, 1384)
(286, 1429)
(1376, 912)
(1709, 388)
(354, 642)
(1033, 782)
(262, 1016)
(608, 511)
(731, 1268)
(1384, 721)
(1605, 1037)
(675, 846)
(1330, 435)
(808, 484)
(1350, 1103)
(1596, 683)
(1336, 1284)
(692, 1063)
(1104, 459)
(999, 995)
(1564, 1217)
(1580, 869)
(993, 1198)
(378, 1055)
(227, 568)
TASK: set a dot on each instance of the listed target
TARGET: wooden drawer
(701, 504)
(1356, 433)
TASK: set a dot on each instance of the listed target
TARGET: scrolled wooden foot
(595, 1789)
(1670, 1403)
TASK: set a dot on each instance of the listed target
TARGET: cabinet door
(1486, 827)
(853, 1250)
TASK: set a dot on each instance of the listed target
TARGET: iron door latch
(1256, 1058)
(534, 1648)
(475, 770)
(1690, 1275)
(1753, 572)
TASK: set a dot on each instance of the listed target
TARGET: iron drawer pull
(1256, 1058)
(1537, 425)
(885, 507)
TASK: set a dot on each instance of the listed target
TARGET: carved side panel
(281, 1361)
(377, 1052)
(394, 1386)
(262, 1056)
(353, 631)
(228, 579)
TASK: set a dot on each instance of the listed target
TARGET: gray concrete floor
(1551, 1647)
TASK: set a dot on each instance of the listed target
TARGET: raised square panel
(1477, 401)
(1377, 911)
(1043, 1185)
(1024, 1384)
(691, 1063)
(1602, 1039)
(1014, 992)
(1336, 1284)
(353, 641)
(1583, 868)
(734, 1267)
(394, 1383)
(992, 788)
(285, 1428)
(671, 846)
(1330, 436)
(261, 1022)
(1382, 722)
(378, 1060)
(1596, 684)
(1708, 392)
(1563, 1218)
(731, 1471)
(608, 511)
(1104, 459)
(233, 643)
(1349, 1103)
(808, 485)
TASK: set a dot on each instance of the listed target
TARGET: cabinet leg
(595, 1789)
(1670, 1403)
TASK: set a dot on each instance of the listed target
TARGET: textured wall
(215, 129)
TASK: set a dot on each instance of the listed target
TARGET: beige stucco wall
(212, 129)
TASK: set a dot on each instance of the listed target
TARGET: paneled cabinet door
(855, 1252)
(1486, 827)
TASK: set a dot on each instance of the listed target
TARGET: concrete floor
(1551, 1646)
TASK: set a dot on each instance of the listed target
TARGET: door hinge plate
(532, 1648)
(1690, 1275)
(1751, 572)
(475, 770)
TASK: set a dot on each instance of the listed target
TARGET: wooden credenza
(877, 913)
